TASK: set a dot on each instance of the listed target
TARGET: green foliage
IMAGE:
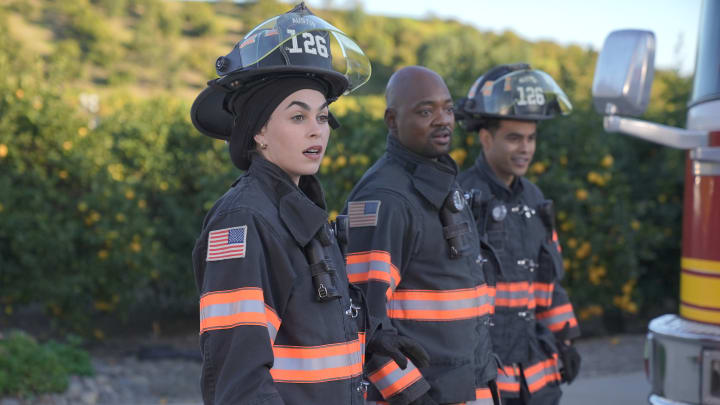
(199, 19)
(101, 220)
(80, 21)
(27, 367)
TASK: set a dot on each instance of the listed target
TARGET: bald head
(419, 111)
(403, 84)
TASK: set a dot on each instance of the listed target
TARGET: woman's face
(297, 134)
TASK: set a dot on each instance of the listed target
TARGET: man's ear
(390, 120)
(485, 138)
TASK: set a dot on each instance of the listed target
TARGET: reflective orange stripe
(231, 308)
(314, 352)
(440, 305)
(483, 393)
(515, 294)
(540, 374)
(537, 376)
(555, 319)
(391, 379)
(556, 240)
(375, 265)
(312, 364)
(508, 386)
(228, 296)
(543, 294)
(361, 337)
(508, 379)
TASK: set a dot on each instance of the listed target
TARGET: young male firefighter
(415, 251)
(533, 320)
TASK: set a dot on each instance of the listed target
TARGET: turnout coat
(264, 335)
(531, 307)
(400, 255)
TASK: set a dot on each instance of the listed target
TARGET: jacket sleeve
(554, 309)
(381, 243)
(243, 293)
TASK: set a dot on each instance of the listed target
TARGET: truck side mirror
(624, 73)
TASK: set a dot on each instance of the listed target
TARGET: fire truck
(682, 350)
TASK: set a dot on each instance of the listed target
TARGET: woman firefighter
(279, 323)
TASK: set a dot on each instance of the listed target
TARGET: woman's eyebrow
(305, 106)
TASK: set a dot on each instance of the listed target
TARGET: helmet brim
(209, 113)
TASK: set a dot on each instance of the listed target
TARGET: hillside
(97, 150)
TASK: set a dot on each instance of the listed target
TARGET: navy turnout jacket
(530, 303)
(265, 338)
(399, 255)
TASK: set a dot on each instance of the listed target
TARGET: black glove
(425, 399)
(570, 360)
(399, 348)
(568, 355)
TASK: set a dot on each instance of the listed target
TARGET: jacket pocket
(550, 259)
(510, 335)
(452, 380)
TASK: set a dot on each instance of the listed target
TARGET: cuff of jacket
(558, 318)
(573, 333)
(395, 385)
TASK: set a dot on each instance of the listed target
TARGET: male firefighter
(533, 320)
(414, 250)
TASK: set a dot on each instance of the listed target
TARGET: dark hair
(490, 123)
(493, 123)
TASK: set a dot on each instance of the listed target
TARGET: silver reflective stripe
(512, 294)
(232, 308)
(502, 378)
(320, 363)
(439, 305)
(238, 307)
(545, 296)
(387, 381)
(359, 268)
(272, 331)
(564, 317)
(546, 371)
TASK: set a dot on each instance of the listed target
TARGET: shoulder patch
(363, 213)
(228, 243)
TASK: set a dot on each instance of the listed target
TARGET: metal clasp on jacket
(524, 210)
(353, 310)
(528, 264)
(527, 315)
(322, 291)
(363, 387)
(488, 321)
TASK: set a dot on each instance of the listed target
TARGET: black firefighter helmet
(515, 92)
(294, 44)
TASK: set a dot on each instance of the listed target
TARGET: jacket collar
(302, 209)
(497, 186)
(433, 179)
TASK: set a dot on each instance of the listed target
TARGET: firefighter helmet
(515, 92)
(294, 44)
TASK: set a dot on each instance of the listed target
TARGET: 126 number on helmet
(530, 96)
(312, 44)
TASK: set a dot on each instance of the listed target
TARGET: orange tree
(103, 219)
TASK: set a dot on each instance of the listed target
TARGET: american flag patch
(363, 213)
(228, 243)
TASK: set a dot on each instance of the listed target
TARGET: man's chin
(520, 172)
(441, 150)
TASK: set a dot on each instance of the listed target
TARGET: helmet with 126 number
(295, 44)
(515, 92)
